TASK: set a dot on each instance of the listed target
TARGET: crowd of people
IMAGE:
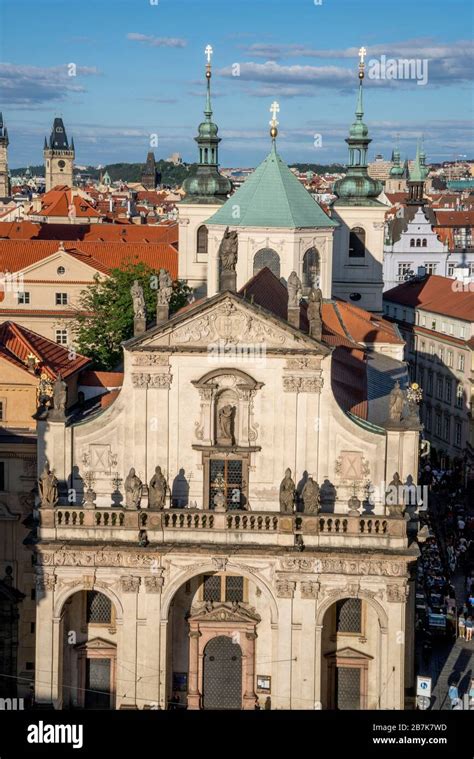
(446, 568)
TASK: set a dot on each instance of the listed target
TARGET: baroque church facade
(220, 535)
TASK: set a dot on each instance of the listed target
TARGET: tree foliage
(104, 317)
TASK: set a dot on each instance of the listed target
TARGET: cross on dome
(274, 109)
(362, 54)
(208, 51)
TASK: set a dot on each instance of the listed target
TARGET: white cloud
(149, 39)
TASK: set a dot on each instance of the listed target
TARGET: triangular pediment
(223, 321)
(348, 653)
(47, 267)
(223, 612)
(95, 644)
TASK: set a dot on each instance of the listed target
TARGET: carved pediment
(223, 612)
(226, 323)
(348, 653)
(96, 644)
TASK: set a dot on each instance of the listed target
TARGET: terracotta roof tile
(434, 294)
(17, 342)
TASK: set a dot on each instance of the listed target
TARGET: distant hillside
(320, 168)
(169, 174)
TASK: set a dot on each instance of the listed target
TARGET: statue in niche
(294, 290)
(228, 250)
(314, 312)
(59, 394)
(133, 490)
(138, 299)
(48, 488)
(311, 497)
(396, 402)
(287, 493)
(157, 490)
(226, 416)
(165, 288)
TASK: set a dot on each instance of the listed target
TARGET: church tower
(358, 242)
(58, 157)
(148, 177)
(397, 179)
(206, 191)
(416, 179)
(4, 179)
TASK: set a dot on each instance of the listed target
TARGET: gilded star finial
(274, 109)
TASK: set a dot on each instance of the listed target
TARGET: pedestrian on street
(462, 626)
(469, 624)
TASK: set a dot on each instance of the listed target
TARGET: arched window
(269, 258)
(311, 268)
(423, 243)
(202, 235)
(418, 243)
(412, 242)
(357, 243)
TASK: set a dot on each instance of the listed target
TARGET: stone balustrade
(195, 526)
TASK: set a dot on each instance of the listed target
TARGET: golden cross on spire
(208, 51)
(274, 109)
(362, 54)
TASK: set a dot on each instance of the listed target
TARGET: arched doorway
(222, 674)
(350, 642)
(89, 651)
(267, 257)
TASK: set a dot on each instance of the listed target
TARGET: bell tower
(58, 157)
(358, 242)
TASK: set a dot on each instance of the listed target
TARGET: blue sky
(140, 71)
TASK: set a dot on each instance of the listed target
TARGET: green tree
(104, 317)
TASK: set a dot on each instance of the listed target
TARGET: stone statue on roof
(228, 250)
(315, 303)
(139, 311)
(59, 394)
(396, 402)
(165, 288)
(294, 290)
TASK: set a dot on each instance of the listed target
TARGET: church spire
(207, 185)
(357, 187)
(417, 176)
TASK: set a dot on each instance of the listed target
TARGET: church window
(202, 240)
(267, 257)
(349, 615)
(412, 242)
(212, 588)
(234, 588)
(225, 476)
(418, 243)
(357, 243)
(311, 269)
(98, 608)
(424, 242)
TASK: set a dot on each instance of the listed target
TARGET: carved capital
(310, 589)
(295, 384)
(46, 582)
(129, 583)
(154, 584)
(397, 594)
(285, 588)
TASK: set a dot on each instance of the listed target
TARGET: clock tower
(58, 157)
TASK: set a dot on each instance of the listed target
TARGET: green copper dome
(397, 170)
(357, 188)
(272, 197)
(206, 185)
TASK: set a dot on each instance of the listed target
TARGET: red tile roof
(29, 230)
(16, 255)
(436, 294)
(61, 200)
(101, 379)
(447, 217)
(17, 342)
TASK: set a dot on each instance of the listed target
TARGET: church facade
(182, 530)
